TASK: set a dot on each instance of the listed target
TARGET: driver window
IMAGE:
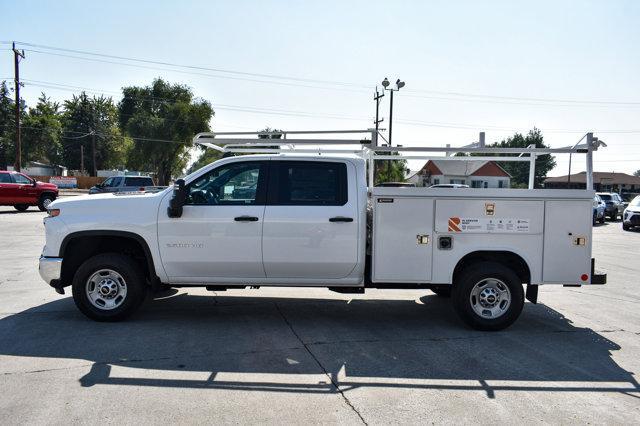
(21, 179)
(231, 184)
(107, 183)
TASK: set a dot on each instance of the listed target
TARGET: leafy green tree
(86, 118)
(162, 111)
(519, 171)
(390, 170)
(8, 125)
(637, 173)
(42, 132)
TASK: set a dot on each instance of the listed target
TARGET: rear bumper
(50, 269)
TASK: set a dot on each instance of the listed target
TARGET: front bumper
(50, 269)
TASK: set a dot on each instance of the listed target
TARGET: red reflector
(584, 277)
(142, 188)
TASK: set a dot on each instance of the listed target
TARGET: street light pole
(391, 116)
(399, 85)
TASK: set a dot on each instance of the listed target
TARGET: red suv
(20, 191)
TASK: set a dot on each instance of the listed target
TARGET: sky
(565, 67)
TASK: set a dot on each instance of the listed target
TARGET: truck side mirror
(178, 199)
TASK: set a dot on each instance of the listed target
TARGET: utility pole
(82, 159)
(16, 67)
(391, 117)
(93, 152)
(378, 96)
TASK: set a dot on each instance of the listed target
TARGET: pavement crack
(330, 376)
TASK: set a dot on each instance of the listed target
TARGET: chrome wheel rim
(490, 298)
(46, 202)
(106, 289)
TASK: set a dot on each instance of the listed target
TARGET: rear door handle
(341, 219)
(245, 219)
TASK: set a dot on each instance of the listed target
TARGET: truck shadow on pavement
(322, 345)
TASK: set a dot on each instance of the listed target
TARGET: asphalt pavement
(312, 356)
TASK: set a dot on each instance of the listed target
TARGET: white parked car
(631, 215)
(302, 221)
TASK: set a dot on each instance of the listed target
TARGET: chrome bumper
(50, 268)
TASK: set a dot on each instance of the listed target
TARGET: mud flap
(532, 293)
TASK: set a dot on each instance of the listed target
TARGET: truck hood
(46, 185)
(95, 204)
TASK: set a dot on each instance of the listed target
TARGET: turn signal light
(53, 212)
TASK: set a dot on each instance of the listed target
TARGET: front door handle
(341, 219)
(245, 219)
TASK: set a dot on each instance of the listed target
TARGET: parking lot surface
(313, 356)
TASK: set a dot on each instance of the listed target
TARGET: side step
(348, 290)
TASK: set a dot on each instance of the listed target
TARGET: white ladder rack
(368, 148)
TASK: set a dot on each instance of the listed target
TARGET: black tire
(601, 220)
(42, 202)
(595, 217)
(442, 291)
(130, 272)
(21, 207)
(626, 227)
(475, 274)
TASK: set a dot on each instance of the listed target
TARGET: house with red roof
(475, 173)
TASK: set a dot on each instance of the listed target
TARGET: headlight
(53, 212)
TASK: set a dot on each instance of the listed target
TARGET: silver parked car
(614, 205)
(123, 184)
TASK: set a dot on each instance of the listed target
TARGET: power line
(518, 100)
(195, 67)
(281, 83)
(308, 114)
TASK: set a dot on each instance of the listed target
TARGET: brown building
(602, 182)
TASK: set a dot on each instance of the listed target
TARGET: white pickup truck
(300, 220)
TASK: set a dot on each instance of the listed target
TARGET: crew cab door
(7, 189)
(23, 189)
(219, 233)
(311, 220)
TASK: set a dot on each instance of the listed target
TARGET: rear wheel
(44, 201)
(488, 296)
(21, 207)
(109, 287)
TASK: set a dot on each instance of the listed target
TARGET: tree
(87, 119)
(8, 125)
(42, 132)
(519, 171)
(637, 173)
(389, 170)
(165, 112)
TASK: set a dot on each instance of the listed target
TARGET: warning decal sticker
(501, 225)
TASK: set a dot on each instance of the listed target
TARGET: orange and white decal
(454, 224)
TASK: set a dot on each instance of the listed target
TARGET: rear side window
(138, 181)
(308, 183)
(5, 178)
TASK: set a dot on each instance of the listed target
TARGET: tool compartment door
(399, 254)
(567, 242)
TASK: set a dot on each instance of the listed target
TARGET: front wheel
(109, 287)
(488, 296)
(44, 201)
